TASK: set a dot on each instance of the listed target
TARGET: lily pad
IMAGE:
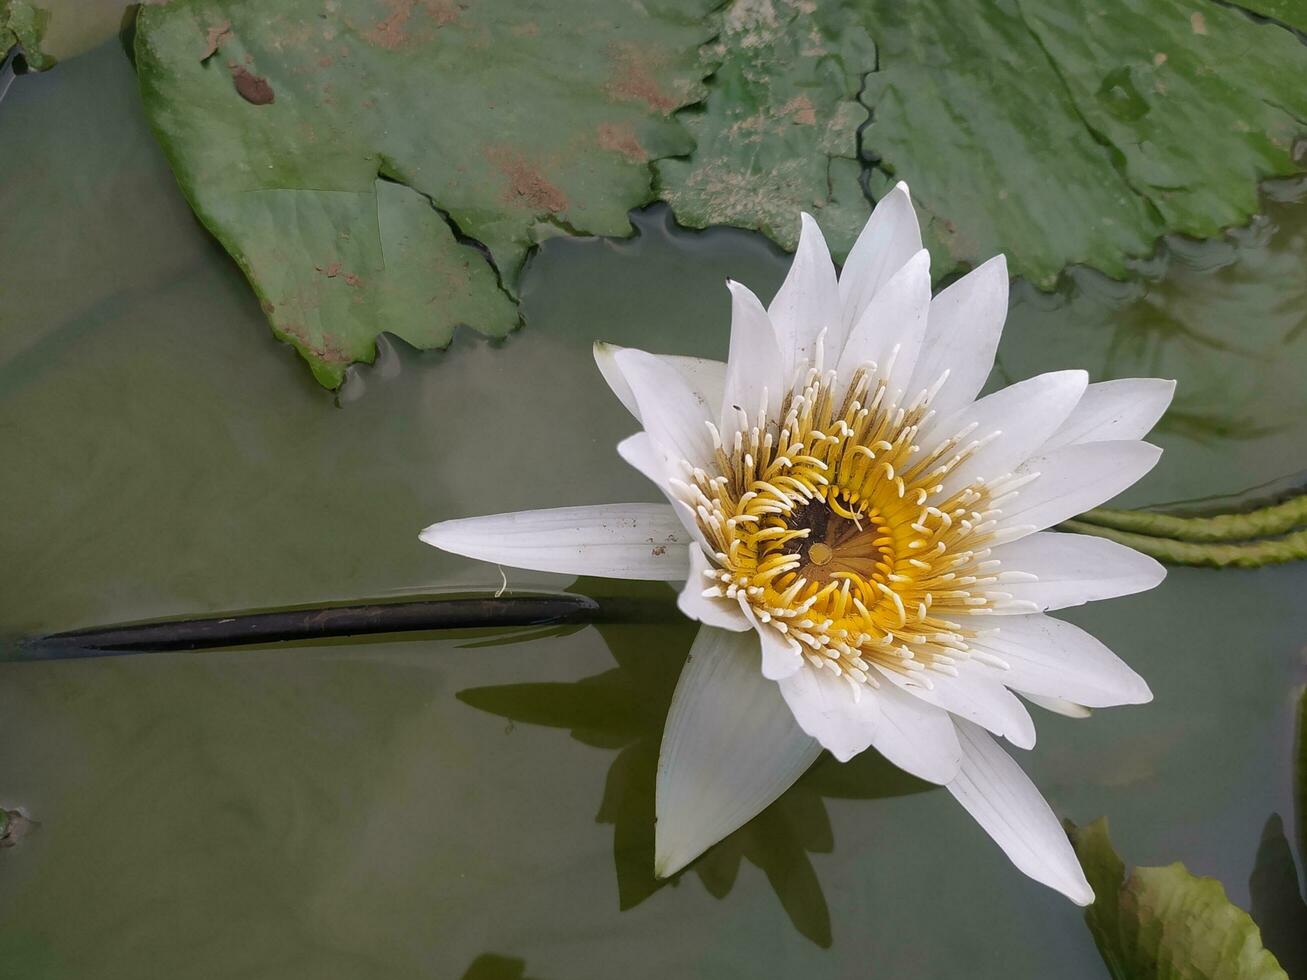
(387, 164)
(24, 23)
(1167, 922)
(778, 131)
(1060, 134)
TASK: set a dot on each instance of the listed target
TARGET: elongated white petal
(1024, 415)
(976, 696)
(730, 747)
(675, 415)
(1115, 410)
(1048, 657)
(704, 376)
(753, 370)
(1059, 706)
(824, 706)
(1073, 569)
(890, 237)
(807, 302)
(1003, 800)
(917, 737)
(1074, 479)
(889, 331)
(962, 332)
(640, 541)
(714, 611)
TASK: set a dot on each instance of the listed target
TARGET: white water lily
(863, 541)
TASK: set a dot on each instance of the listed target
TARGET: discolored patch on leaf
(24, 23)
(778, 131)
(425, 145)
(1166, 922)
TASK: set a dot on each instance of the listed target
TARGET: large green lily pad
(1167, 922)
(356, 158)
(1061, 133)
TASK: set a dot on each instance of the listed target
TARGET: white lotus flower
(863, 541)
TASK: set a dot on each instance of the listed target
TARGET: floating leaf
(1166, 922)
(387, 165)
(1060, 133)
(778, 131)
(24, 23)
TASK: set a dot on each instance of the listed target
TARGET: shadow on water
(493, 966)
(624, 708)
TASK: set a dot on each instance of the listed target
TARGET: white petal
(824, 706)
(1055, 659)
(1059, 706)
(892, 324)
(917, 737)
(978, 696)
(720, 612)
(729, 749)
(1074, 569)
(639, 450)
(1115, 410)
(639, 541)
(807, 303)
(704, 376)
(674, 414)
(962, 332)
(753, 370)
(1023, 415)
(888, 239)
(1074, 479)
(1003, 800)
(780, 654)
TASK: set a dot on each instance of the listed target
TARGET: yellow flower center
(831, 526)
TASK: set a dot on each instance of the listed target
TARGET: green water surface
(481, 804)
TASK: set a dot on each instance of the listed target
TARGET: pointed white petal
(917, 737)
(962, 332)
(1115, 410)
(1059, 706)
(704, 376)
(1074, 479)
(675, 415)
(807, 303)
(1003, 800)
(825, 708)
(753, 370)
(889, 238)
(889, 331)
(729, 749)
(640, 541)
(714, 611)
(976, 695)
(1017, 420)
(1055, 659)
(1074, 569)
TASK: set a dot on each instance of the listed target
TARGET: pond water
(481, 804)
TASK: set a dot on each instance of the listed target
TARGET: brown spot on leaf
(353, 280)
(660, 550)
(394, 31)
(332, 270)
(253, 88)
(633, 78)
(621, 138)
(1198, 23)
(218, 35)
(800, 110)
(526, 184)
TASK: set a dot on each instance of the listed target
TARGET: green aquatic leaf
(24, 23)
(387, 164)
(1061, 133)
(777, 133)
(1166, 922)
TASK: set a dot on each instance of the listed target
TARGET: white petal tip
(433, 534)
(1081, 896)
(902, 188)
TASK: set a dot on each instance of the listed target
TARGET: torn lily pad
(387, 165)
(24, 23)
(1166, 922)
